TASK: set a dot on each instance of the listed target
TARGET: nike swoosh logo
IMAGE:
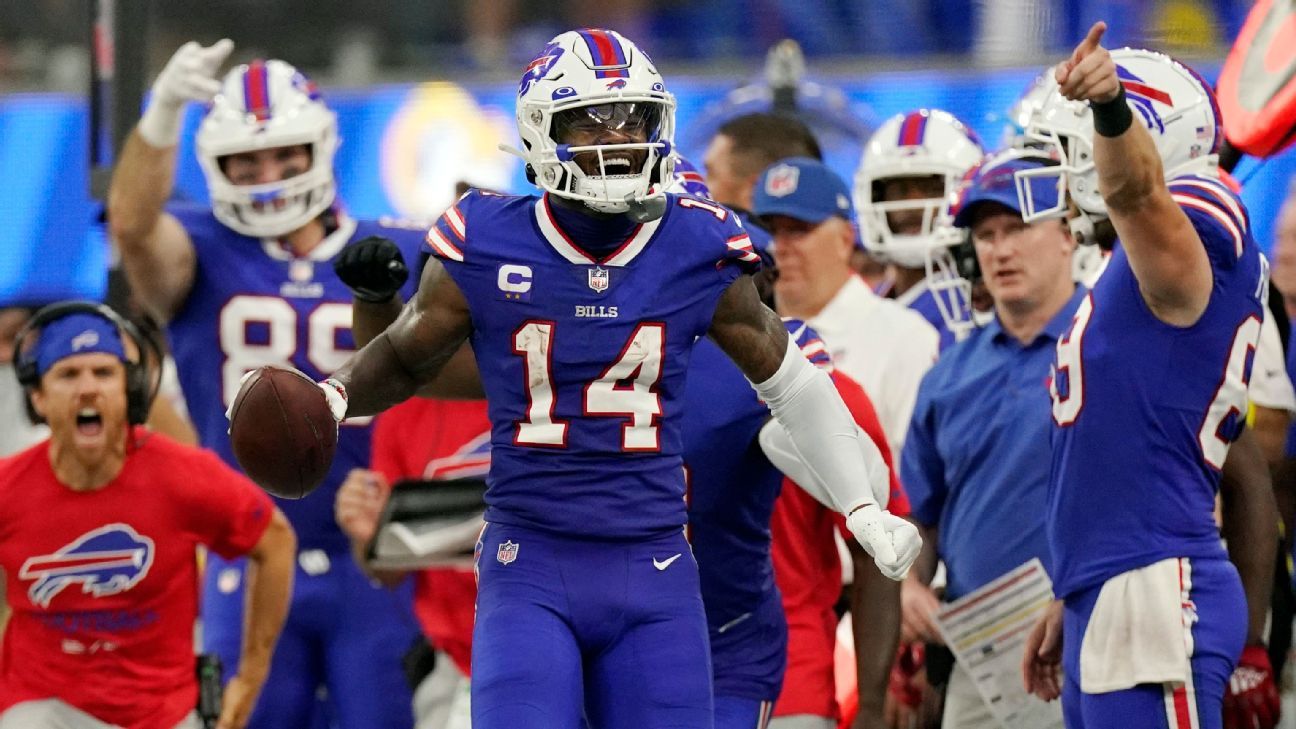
(733, 622)
(664, 563)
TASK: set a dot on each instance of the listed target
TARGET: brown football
(283, 432)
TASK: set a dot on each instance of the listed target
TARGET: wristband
(1112, 118)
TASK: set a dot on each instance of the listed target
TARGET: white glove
(190, 75)
(336, 395)
(892, 542)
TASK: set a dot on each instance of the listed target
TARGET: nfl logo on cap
(782, 181)
(598, 279)
(507, 552)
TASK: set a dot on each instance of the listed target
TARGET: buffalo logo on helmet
(539, 68)
(782, 181)
(105, 561)
(1142, 95)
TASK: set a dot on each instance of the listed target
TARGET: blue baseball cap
(995, 180)
(804, 189)
(78, 333)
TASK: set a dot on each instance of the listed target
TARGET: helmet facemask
(293, 116)
(610, 154)
(596, 122)
(906, 249)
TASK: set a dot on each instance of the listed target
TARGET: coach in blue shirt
(976, 460)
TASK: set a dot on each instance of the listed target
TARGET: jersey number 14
(627, 388)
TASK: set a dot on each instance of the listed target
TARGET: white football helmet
(596, 81)
(1019, 115)
(1174, 103)
(264, 105)
(927, 142)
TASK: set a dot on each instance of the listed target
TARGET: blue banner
(404, 148)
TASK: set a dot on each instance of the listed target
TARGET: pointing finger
(1090, 42)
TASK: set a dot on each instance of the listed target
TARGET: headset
(140, 388)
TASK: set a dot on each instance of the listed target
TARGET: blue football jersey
(583, 357)
(922, 300)
(252, 304)
(732, 487)
(1144, 412)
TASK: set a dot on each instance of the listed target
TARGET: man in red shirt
(425, 439)
(97, 543)
(807, 567)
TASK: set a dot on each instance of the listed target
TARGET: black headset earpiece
(139, 391)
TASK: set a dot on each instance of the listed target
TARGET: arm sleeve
(448, 236)
(1216, 214)
(777, 445)
(824, 434)
(228, 512)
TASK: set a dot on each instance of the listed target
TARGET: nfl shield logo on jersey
(598, 279)
(507, 552)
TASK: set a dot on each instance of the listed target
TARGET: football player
(244, 283)
(1149, 389)
(582, 306)
(911, 165)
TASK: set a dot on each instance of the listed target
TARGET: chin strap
(646, 209)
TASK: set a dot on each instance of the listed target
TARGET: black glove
(373, 268)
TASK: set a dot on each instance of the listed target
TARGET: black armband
(1112, 118)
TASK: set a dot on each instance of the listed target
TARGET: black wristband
(1112, 118)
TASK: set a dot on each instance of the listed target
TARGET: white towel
(1140, 630)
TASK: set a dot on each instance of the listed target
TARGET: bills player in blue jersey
(1149, 391)
(582, 306)
(245, 283)
(911, 165)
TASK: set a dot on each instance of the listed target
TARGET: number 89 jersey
(1144, 412)
(252, 304)
(583, 357)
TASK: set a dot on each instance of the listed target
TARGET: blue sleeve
(921, 470)
(1217, 215)
(448, 236)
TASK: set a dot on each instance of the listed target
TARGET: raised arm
(804, 401)
(411, 352)
(1164, 250)
(157, 254)
(375, 270)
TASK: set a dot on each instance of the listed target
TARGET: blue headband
(79, 333)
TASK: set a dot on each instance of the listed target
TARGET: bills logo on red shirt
(105, 561)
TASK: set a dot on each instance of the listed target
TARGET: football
(282, 431)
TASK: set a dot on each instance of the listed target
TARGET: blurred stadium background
(424, 90)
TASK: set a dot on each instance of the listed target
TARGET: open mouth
(89, 422)
(615, 164)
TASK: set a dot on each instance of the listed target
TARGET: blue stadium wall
(404, 147)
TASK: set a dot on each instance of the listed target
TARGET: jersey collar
(570, 250)
(327, 249)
